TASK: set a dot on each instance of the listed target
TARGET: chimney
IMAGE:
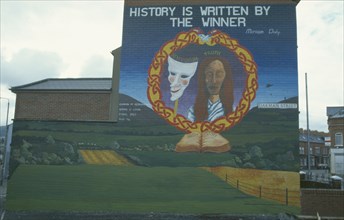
(114, 97)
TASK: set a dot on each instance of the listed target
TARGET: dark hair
(226, 92)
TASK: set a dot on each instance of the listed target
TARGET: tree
(49, 139)
(256, 152)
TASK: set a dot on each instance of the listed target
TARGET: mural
(223, 75)
(207, 120)
(212, 110)
(218, 82)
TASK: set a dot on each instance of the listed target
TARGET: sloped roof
(339, 114)
(332, 111)
(312, 138)
(67, 84)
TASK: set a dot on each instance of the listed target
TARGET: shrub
(249, 165)
(49, 139)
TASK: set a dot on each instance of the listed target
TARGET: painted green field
(130, 189)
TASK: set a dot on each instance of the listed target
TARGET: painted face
(179, 76)
(214, 75)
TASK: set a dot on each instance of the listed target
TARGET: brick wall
(63, 106)
(326, 202)
(335, 125)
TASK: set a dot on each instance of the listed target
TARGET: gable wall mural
(207, 120)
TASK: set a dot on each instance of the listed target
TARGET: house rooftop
(335, 112)
(339, 114)
(67, 84)
(312, 138)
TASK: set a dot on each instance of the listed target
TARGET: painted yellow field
(101, 157)
(280, 186)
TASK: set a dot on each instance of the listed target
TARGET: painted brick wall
(326, 202)
(62, 106)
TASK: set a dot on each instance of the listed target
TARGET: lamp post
(308, 142)
(6, 141)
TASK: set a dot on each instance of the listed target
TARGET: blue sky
(68, 39)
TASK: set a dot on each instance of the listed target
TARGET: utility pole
(308, 143)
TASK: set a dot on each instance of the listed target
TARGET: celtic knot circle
(195, 36)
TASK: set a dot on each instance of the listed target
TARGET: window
(325, 160)
(302, 150)
(338, 139)
(303, 161)
(312, 161)
(325, 151)
(317, 150)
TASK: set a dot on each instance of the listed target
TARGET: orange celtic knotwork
(194, 37)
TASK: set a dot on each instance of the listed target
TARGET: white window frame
(302, 150)
(338, 139)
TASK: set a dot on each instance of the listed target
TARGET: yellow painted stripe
(103, 157)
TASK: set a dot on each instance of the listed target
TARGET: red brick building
(319, 152)
(86, 99)
(335, 121)
(81, 99)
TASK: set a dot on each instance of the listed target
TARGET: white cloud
(24, 67)
(75, 30)
(44, 39)
(320, 54)
(97, 66)
(29, 65)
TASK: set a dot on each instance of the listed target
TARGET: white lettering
(133, 12)
(266, 9)
(181, 22)
(224, 22)
(224, 10)
(273, 31)
(152, 11)
(251, 31)
(261, 10)
(278, 105)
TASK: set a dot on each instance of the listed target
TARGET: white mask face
(179, 76)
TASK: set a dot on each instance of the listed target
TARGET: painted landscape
(134, 168)
(259, 142)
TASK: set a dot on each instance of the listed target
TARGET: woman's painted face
(179, 76)
(214, 75)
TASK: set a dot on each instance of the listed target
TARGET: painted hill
(134, 112)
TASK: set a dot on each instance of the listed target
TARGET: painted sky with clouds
(69, 39)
